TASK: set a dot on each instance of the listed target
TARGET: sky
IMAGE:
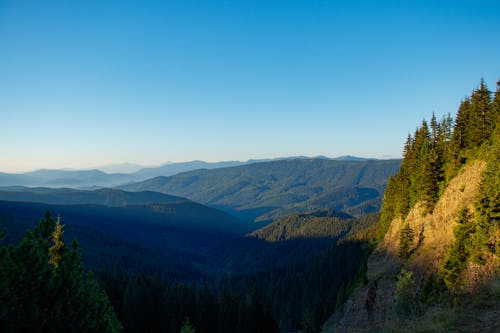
(90, 83)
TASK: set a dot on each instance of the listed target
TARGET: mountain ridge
(267, 190)
(99, 177)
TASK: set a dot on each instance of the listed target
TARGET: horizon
(88, 84)
(136, 167)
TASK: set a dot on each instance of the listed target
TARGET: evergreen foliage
(43, 287)
(407, 301)
(149, 304)
(187, 327)
(456, 257)
(298, 296)
(433, 289)
(405, 239)
(488, 205)
(433, 155)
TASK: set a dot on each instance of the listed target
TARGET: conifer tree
(460, 131)
(495, 109)
(456, 258)
(479, 126)
(44, 287)
(57, 249)
(406, 236)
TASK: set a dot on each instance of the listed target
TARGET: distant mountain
(121, 168)
(352, 158)
(170, 169)
(266, 190)
(94, 178)
(64, 178)
(119, 174)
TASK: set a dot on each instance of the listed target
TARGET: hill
(267, 190)
(327, 223)
(64, 178)
(139, 232)
(101, 178)
(170, 169)
(436, 264)
(66, 196)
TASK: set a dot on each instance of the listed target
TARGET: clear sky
(88, 83)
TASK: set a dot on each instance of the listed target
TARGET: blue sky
(88, 83)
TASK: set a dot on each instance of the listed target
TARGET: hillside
(267, 190)
(172, 239)
(66, 196)
(317, 224)
(436, 266)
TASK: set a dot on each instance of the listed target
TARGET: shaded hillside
(264, 191)
(171, 239)
(436, 265)
(66, 196)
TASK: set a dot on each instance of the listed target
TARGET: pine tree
(456, 257)
(479, 120)
(494, 115)
(187, 327)
(44, 287)
(406, 236)
(57, 249)
(460, 138)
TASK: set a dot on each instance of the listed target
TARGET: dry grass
(434, 231)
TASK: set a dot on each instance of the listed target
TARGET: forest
(297, 295)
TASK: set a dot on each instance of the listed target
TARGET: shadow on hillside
(248, 215)
(176, 252)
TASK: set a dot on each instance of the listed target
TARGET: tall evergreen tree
(44, 287)
(460, 130)
(479, 121)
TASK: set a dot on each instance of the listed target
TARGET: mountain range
(266, 190)
(107, 176)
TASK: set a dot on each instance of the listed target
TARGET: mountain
(170, 169)
(267, 190)
(171, 240)
(436, 264)
(64, 178)
(118, 174)
(352, 158)
(141, 232)
(65, 196)
(327, 223)
(121, 168)
(99, 178)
